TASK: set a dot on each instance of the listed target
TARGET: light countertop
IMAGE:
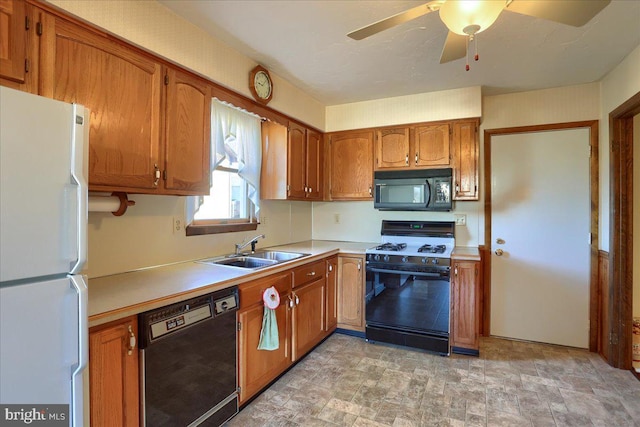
(463, 253)
(120, 295)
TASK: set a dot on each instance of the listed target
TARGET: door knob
(499, 252)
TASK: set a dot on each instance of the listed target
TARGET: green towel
(269, 334)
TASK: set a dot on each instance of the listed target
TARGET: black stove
(408, 285)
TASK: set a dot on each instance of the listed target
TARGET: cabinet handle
(330, 267)
(455, 271)
(359, 266)
(132, 341)
(457, 188)
(416, 158)
(290, 302)
(309, 190)
(297, 299)
(313, 273)
(406, 159)
(156, 175)
(370, 191)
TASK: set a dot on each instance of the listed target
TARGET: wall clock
(261, 85)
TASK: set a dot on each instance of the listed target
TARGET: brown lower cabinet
(113, 374)
(301, 319)
(351, 292)
(465, 307)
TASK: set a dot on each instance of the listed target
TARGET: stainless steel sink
(278, 256)
(254, 261)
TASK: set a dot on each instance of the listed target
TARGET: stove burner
(437, 249)
(391, 247)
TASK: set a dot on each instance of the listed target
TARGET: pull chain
(467, 55)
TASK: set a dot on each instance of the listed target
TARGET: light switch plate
(460, 219)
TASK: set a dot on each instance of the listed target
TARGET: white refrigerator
(43, 246)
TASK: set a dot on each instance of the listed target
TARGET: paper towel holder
(117, 203)
(124, 203)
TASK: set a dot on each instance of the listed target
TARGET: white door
(540, 214)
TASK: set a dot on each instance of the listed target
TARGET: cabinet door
(113, 374)
(392, 148)
(257, 368)
(315, 165)
(296, 162)
(308, 317)
(466, 306)
(350, 293)
(431, 146)
(331, 317)
(351, 156)
(121, 88)
(188, 134)
(13, 40)
(465, 160)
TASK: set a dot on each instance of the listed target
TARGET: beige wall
(617, 87)
(422, 107)
(159, 30)
(144, 236)
(360, 221)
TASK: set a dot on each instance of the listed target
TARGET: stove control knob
(424, 260)
(386, 258)
(405, 259)
(376, 257)
(434, 261)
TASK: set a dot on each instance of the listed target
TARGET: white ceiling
(305, 42)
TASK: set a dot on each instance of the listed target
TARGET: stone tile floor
(348, 382)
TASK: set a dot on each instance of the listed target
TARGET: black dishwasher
(188, 362)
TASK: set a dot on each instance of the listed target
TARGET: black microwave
(413, 190)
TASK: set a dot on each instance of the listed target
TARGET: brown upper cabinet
(19, 45)
(13, 40)
(187, 141)
(351, 165)
(466, 150)
(149, 124)
(130, 96)
(412, 147)
(302, 176)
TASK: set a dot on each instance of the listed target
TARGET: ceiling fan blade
(572, 12)
(455, 47)
(394, 20)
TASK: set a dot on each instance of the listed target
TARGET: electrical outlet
(460, 219)
(336, 218)
(177, 224)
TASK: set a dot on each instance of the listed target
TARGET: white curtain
(235, 136)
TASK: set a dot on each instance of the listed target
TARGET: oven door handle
(433, 274)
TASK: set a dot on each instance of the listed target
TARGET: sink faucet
(244, 244)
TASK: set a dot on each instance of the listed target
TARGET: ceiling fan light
(459, 15)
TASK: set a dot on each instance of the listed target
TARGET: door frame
(594, 194)
(621, 232)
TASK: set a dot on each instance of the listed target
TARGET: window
(236, 156)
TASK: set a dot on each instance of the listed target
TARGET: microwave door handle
(427, 195)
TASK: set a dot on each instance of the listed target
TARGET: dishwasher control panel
(187, 318)
(159, 323)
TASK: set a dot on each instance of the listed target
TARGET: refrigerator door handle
(79, 159)
(77, 405)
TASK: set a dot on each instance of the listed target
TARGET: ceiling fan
(466, 18)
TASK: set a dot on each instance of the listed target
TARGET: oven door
(409, 308)
(401, 194)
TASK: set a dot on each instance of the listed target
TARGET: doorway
(620, 303)
(588, 313)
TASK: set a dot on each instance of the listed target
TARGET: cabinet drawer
(251, 293)
(308, 273)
